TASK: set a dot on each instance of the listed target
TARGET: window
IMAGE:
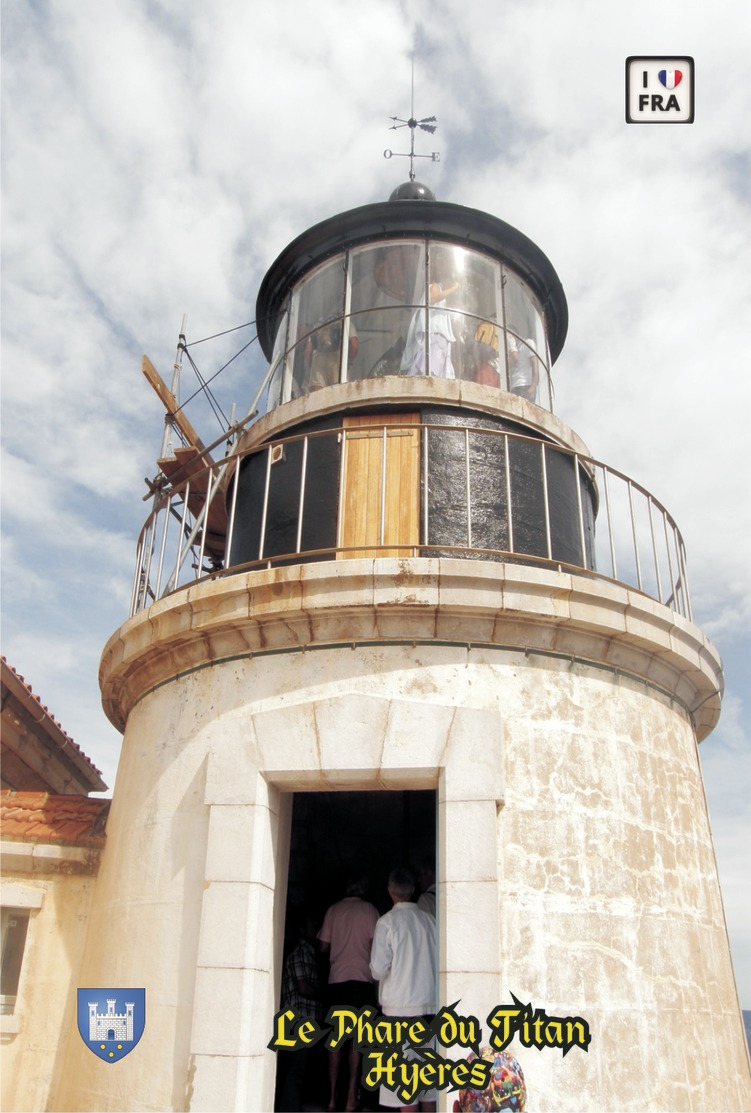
(20, 901)
(411, 307)
(15, 924)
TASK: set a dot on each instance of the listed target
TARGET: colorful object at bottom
(505, 1090)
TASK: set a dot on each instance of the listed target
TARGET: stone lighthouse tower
(409, 614)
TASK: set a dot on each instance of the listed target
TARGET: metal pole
(176, 368)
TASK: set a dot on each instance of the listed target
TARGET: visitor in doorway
(426, 880)
(403, 963)
(301, 991)
(346, 937)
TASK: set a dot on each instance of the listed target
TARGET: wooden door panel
(381, 478)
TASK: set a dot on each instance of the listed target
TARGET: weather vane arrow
(428, 123)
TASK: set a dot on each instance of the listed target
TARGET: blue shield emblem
(111, 1021)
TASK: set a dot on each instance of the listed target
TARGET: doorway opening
(337, 836)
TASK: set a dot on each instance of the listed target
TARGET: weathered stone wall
(575, 860)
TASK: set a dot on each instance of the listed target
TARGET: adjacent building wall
(56, 884)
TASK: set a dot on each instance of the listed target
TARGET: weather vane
(429, 124)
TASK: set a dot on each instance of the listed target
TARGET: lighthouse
(409, 615)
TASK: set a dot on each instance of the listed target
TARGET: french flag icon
(670, 78)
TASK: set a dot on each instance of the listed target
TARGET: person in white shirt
(403, 962)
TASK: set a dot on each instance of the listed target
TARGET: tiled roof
(49, 727)
(41, 817)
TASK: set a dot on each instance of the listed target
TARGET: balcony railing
(482, 494)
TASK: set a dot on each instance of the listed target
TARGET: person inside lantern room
(323, 352)
(385, 286)
(484, 351)
(434, 357)
(523, 367)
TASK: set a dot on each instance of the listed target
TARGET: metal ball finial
(412, 191)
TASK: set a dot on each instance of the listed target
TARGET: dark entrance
(339, 834)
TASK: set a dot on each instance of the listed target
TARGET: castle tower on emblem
(111, 1025)
(410, 614)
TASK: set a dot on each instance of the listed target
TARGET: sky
(157, 155)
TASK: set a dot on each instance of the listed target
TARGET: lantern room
(411, 287)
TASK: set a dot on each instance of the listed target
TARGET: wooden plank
(171, 405)
(369, 501)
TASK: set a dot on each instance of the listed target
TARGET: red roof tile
(41, 817)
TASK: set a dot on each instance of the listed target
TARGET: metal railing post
(342, 469)
(138, 572)
(233, 510)
(467, 483)
(382, 525)
(580, 509)
(633, 533)
(301, 504)
(205, 530)
(508, 495)
(178, 562)
(158, 584)
(425, 474)
(611, 542)
(547, 504)
(671, 573)
(262, 538)
(654, 548)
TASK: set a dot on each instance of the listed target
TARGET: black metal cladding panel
(320, 504)
(565, 532)
(456, 459)
(386, 220)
